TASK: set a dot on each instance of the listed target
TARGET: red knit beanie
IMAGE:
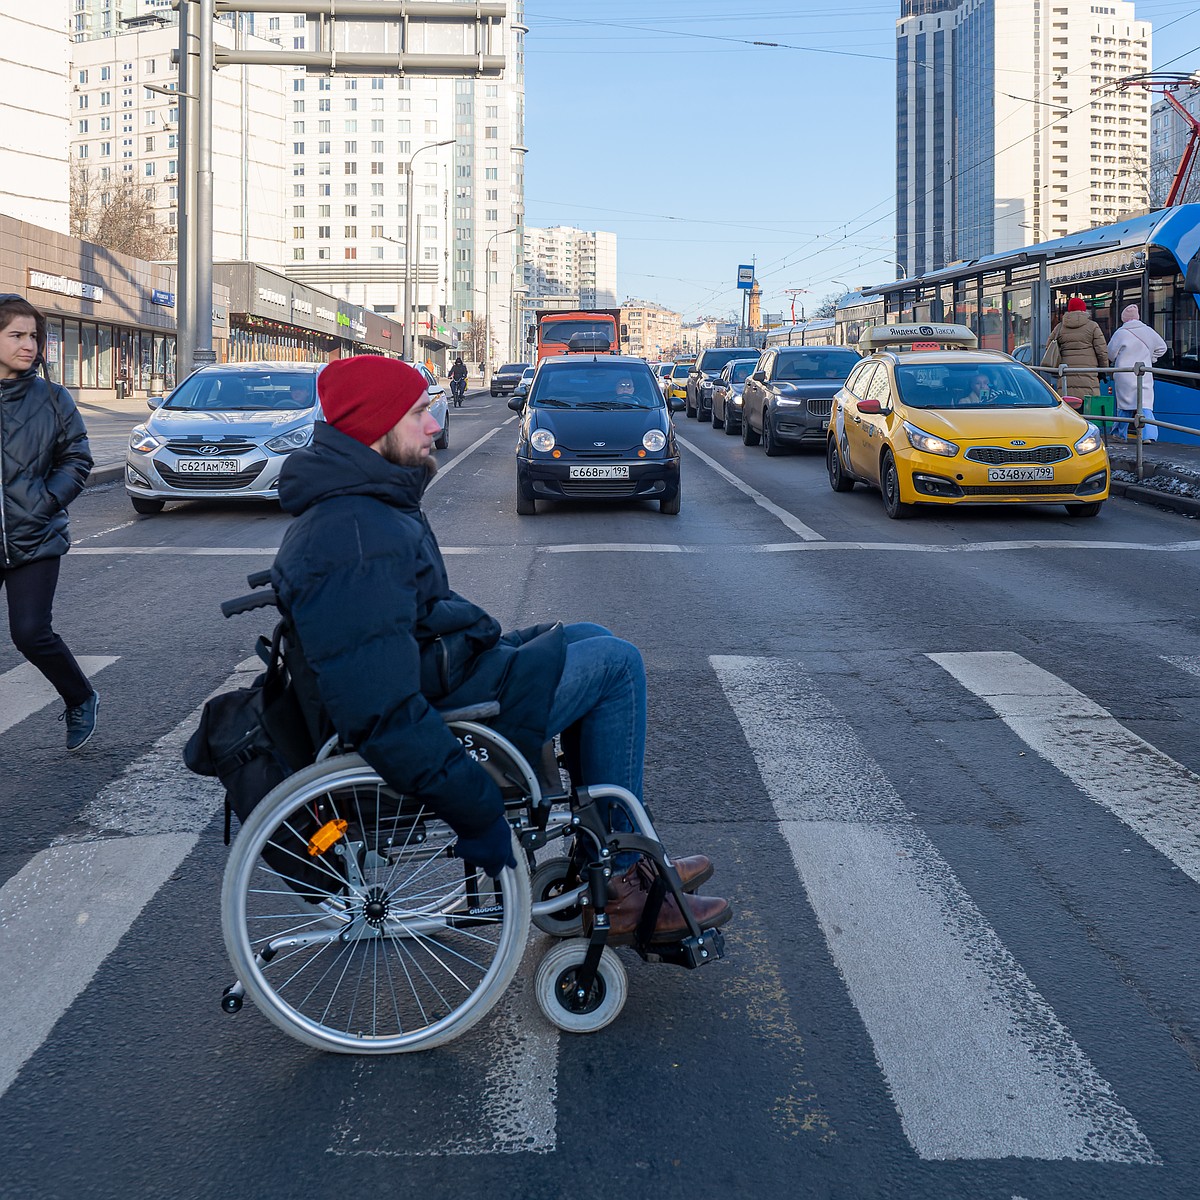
(1076, 304)
(366, 395)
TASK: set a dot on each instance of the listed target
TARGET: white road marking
(25, 690)
(978, 1064)
(66, 910)
(1185, 662)
(797, 526)
(449, 466)
(704, 548)
(1158, 798)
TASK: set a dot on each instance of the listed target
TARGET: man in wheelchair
(361, 578)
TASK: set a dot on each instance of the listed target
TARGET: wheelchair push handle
(240, 604)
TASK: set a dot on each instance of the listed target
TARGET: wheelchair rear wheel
(350, 926)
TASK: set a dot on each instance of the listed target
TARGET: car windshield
(680, 370)
(245, 391)
(714, 360)
(805, 366)
(741, 371)
(972, 385)
(594, 384)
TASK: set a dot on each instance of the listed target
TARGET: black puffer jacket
(362, 579)
(44, 463)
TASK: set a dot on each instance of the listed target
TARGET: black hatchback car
(596, 428)
(505, 378)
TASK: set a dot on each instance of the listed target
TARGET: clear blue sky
(658, 120)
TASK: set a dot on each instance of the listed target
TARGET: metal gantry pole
(186, 221)
(202, 352)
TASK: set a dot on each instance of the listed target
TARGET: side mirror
(676, 405)
(155, 401)
(759, 377)
(517, 403)
(522, 390)
(870, 408)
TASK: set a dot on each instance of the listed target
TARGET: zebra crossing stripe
(1157, 797)
(978, 1064)
(25, 690)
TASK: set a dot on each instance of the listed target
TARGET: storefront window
(104, 357)
(70, 376)
(87, 355)
(54, 337)
(146, 362)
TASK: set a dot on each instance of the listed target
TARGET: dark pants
(30, 590)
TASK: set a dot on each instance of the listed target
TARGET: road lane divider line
(25, 690)
(449, 466)
(797, 526)
(1155, 796)
(977, 1062)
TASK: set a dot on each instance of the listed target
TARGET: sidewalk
(108, 427)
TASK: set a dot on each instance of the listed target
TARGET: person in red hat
(361, 578)
(1078, 342)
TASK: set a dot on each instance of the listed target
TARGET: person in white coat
(1134, 342)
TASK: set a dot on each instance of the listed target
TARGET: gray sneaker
(81, 721)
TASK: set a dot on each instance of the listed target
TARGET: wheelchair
(354, 929)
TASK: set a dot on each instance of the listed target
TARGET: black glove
(491, 850)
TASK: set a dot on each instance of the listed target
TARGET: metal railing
(1137, 420)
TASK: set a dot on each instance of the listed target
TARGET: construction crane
(1168, 83)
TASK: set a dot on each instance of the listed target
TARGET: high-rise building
(1169, 134)
(1008, 130)
(36, 106)
(125, 132)
(577, 264)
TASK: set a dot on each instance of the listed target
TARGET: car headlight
(143, 441)
(542, 439)
(928, 442)
(287, 442)
(706, 385)
(1090, 442)
(654, 440)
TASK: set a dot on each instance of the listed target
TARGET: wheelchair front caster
(231, 998)
(560, 999)
(548, 882)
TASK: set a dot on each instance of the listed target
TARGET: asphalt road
(945, 767)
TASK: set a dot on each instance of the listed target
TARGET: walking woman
(44, 462)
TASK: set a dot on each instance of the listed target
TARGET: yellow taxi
(929, 419)
(675, 385)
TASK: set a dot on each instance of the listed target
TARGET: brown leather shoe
(627, 897)
(693, 870)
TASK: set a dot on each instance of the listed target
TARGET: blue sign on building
(159, 297)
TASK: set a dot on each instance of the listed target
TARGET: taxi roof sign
(919, 337)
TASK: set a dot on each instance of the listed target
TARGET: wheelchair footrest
(691, 952)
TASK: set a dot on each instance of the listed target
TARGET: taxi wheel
(838, 479)
(889, 485)
(1091, 509)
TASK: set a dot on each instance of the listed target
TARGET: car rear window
(680, 370)
(741, 371)
(513, 368)
(245, 391)
(595, 384)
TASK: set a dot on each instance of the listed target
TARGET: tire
(749, 437)
(1091, 509)
(443, 442)
(688, 410)
(525, 506)
(388, 946)
(553, 988)
(549, 880)
(731, 427)
(671, 507)
(770, 439)
(148, 508)
(717, 423)
(889, 485)
(838, 479)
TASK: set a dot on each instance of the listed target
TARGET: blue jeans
(603, 689)
(1122, 429)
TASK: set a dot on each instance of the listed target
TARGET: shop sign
(269, 297)
(160, 297)
(46, 282)
(301, 306)
(326, 314)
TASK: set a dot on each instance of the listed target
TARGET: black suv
(704, 371)
(505, 378)
(787, 400)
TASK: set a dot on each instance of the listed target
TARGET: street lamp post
(410, 318)
(487, 290)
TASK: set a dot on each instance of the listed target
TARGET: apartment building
(35, 110)
(124, 131)
(578, 264)
(654, 332)
(1169, 133)
(1008, 128)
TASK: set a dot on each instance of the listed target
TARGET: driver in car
(624, 386)
(981, 390)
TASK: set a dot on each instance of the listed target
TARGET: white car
(437, 406)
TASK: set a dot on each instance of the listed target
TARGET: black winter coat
(361, 577)
(44, 463)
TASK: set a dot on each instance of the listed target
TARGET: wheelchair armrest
(476, 712)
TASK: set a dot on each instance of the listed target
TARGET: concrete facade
(654, 331)
(36, 107)
(578, 264)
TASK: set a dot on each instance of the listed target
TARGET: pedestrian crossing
(25, 690)
(968, 1049)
